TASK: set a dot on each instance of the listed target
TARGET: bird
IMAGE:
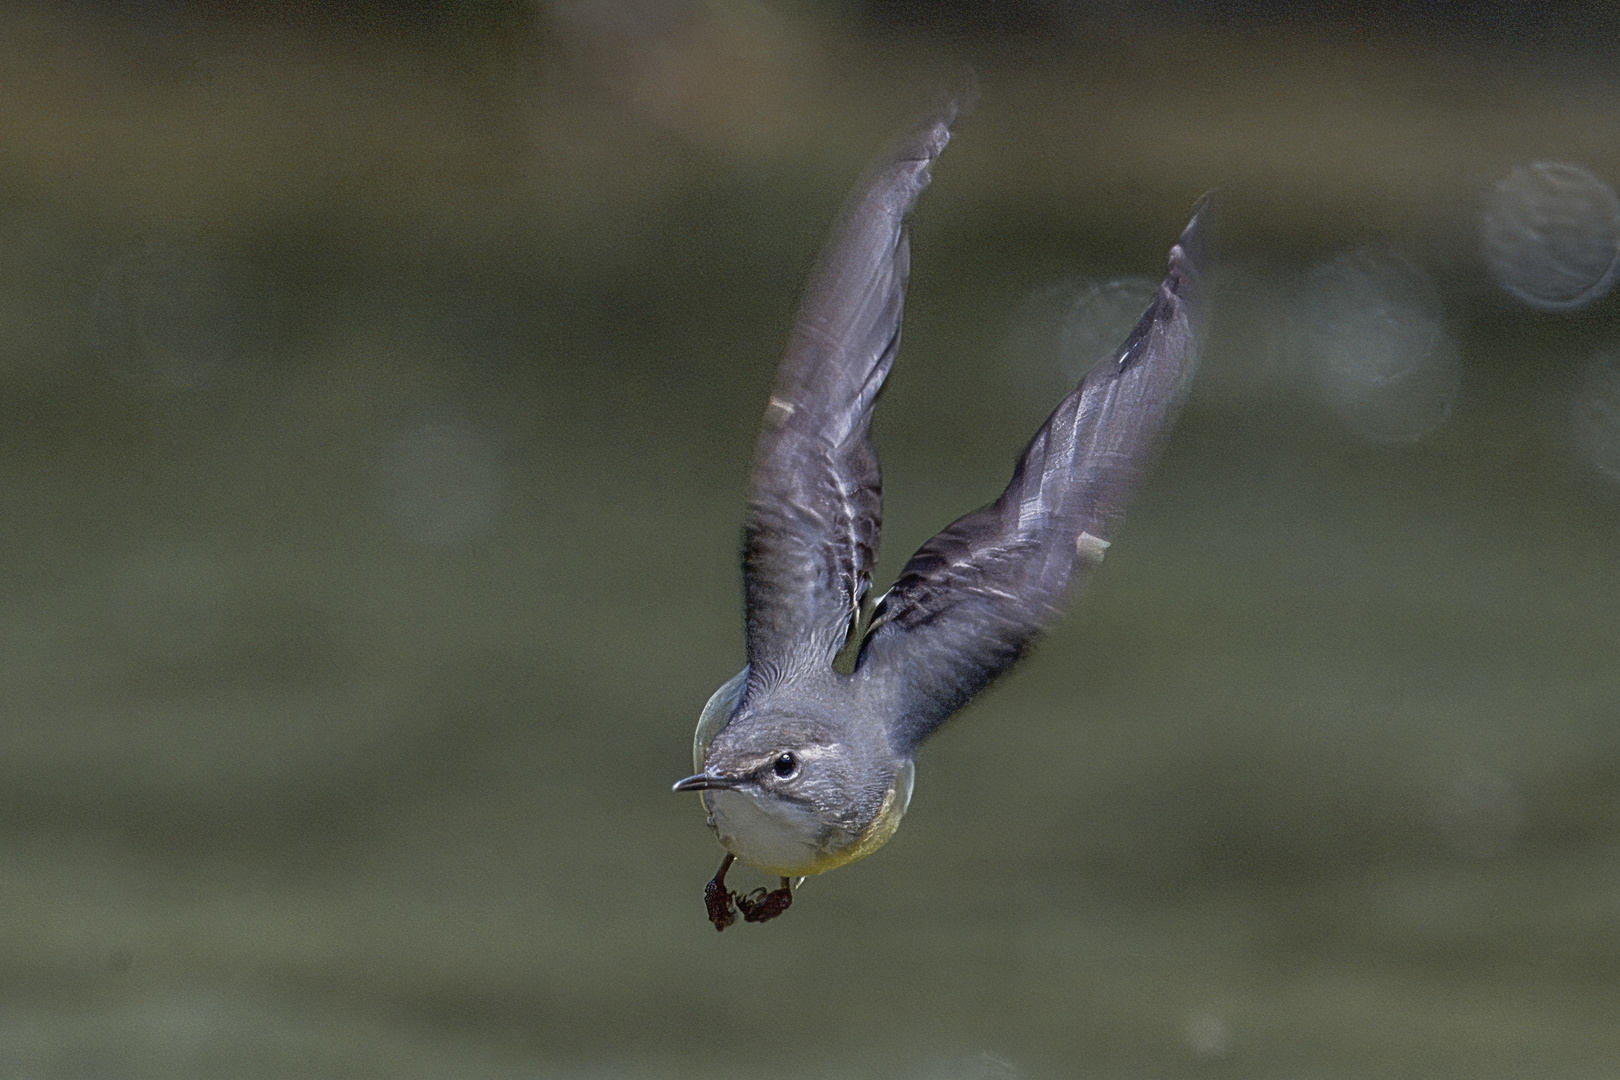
(805, 758)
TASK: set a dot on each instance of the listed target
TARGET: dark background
(377, 389)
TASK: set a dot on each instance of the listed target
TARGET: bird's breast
(777, 836)
(787, 839)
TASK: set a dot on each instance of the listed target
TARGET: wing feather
(815, 497)
(974, 597)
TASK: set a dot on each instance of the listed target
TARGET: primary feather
(815, 498)
(973, 598)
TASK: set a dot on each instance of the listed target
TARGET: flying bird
(805, 757)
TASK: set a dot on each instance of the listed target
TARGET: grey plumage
(814, 502)
(973, 598)
(804, 767)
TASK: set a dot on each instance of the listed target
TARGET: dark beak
(704, 782)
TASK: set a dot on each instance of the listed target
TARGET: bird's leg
(718, 898)
(759, 905)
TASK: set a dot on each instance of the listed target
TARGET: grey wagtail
(804, 758)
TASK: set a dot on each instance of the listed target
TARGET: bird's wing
(975, 596)
(815, 501)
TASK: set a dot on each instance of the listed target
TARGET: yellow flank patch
(876, 834)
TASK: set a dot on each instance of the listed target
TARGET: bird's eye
(786, 767)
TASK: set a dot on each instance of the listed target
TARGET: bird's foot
(757, 906)
(761, 906)
(717, 898)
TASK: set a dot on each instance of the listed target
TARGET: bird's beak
(704, 782)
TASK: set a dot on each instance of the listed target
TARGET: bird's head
(795, 785)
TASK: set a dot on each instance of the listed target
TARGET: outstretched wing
(815, 499)
(974, 597)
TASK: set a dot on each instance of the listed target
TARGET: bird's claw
(757, 906)
(718, 900)
(761, 906)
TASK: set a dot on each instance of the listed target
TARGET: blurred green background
(377, 391)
